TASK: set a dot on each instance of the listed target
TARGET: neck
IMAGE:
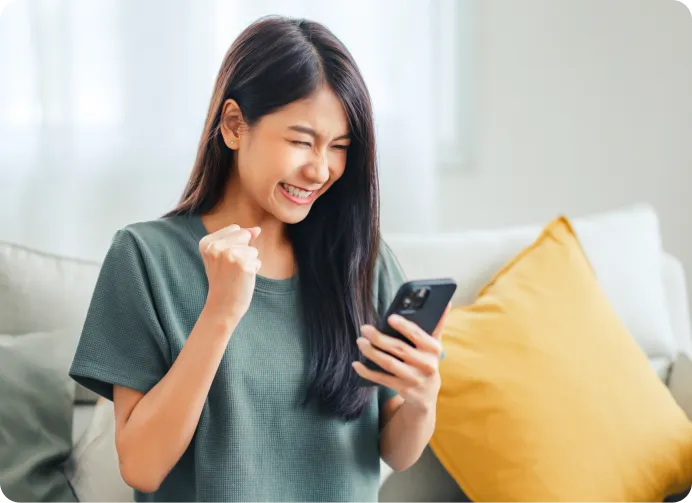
(275, 250)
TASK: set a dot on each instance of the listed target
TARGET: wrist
(222, 323)
(421, 409)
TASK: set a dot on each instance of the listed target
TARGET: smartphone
(423, 302)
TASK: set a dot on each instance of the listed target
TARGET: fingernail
(361, 341)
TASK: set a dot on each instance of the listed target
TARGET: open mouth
(296, 194)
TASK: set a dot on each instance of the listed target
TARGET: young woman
(230, 332)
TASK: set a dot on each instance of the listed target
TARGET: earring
(232, 142)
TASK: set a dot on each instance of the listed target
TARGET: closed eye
(308, 144)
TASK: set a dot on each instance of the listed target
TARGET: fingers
(245, 256)
(225, 230)
(422, 341)
(378, 377)
(240, 253)
(237, 236)
(255, 232)
(228, 237)
(401, 370)
(221, 233)
(424, 362)
(233, 244)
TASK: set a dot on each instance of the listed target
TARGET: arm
(153, 430)
(406, 432)
(408, 419)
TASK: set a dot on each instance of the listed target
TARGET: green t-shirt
(255, 441)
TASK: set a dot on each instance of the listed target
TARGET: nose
(318, 169)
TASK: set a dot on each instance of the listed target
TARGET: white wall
(582, 106)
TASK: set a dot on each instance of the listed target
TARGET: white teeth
(295, 191)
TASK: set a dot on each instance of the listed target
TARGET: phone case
(427, 317)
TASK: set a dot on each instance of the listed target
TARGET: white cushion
(93, 468)
(41, 291)
(624, 247)
(677, 301)
(385, 472)
(36, 395)
(661, 366)
(81, 417)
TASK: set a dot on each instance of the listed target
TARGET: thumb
(254, 232)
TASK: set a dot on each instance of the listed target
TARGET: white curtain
(102, 104)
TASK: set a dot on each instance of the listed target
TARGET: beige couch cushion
(42, 292)
(36, 397)
(93, 468)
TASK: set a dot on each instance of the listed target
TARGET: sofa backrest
(43, 291)
(675, 287)
(623, 246)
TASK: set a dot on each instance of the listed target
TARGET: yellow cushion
(545, 395)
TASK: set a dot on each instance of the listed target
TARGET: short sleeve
(389, 276)
(122, 342)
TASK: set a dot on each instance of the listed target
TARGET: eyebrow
(313, 133)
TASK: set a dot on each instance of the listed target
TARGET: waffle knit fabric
(255, 441)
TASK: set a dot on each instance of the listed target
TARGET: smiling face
(291, 157)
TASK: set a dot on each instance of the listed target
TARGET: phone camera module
(416, 299)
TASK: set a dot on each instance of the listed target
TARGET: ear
(231, 121)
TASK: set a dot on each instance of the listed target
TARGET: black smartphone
(421, 301)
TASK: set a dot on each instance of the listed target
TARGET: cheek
(263, 168)
(282, 160)
(337, 165)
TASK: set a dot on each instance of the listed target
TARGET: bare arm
(408, 419)
(154, 430)
(406, 432)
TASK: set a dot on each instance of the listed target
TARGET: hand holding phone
(422, 303)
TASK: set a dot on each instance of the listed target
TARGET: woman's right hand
(231, 264)
(154, 430)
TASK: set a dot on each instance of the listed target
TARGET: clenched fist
(231, 264)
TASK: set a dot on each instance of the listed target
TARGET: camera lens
(406, 302)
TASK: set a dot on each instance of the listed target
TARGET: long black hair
(274, 62)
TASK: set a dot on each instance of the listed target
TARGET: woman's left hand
(416, 375)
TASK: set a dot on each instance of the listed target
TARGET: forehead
(321, 111)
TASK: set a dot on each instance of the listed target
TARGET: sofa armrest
(385, 472)
(680, 382)
(675, 288)
(81, 417)
(94, 471)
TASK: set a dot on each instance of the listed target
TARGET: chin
(291, 217)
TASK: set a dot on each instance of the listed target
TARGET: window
(99, 75)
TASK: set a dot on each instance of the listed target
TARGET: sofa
(619, 243)
(41, 292)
